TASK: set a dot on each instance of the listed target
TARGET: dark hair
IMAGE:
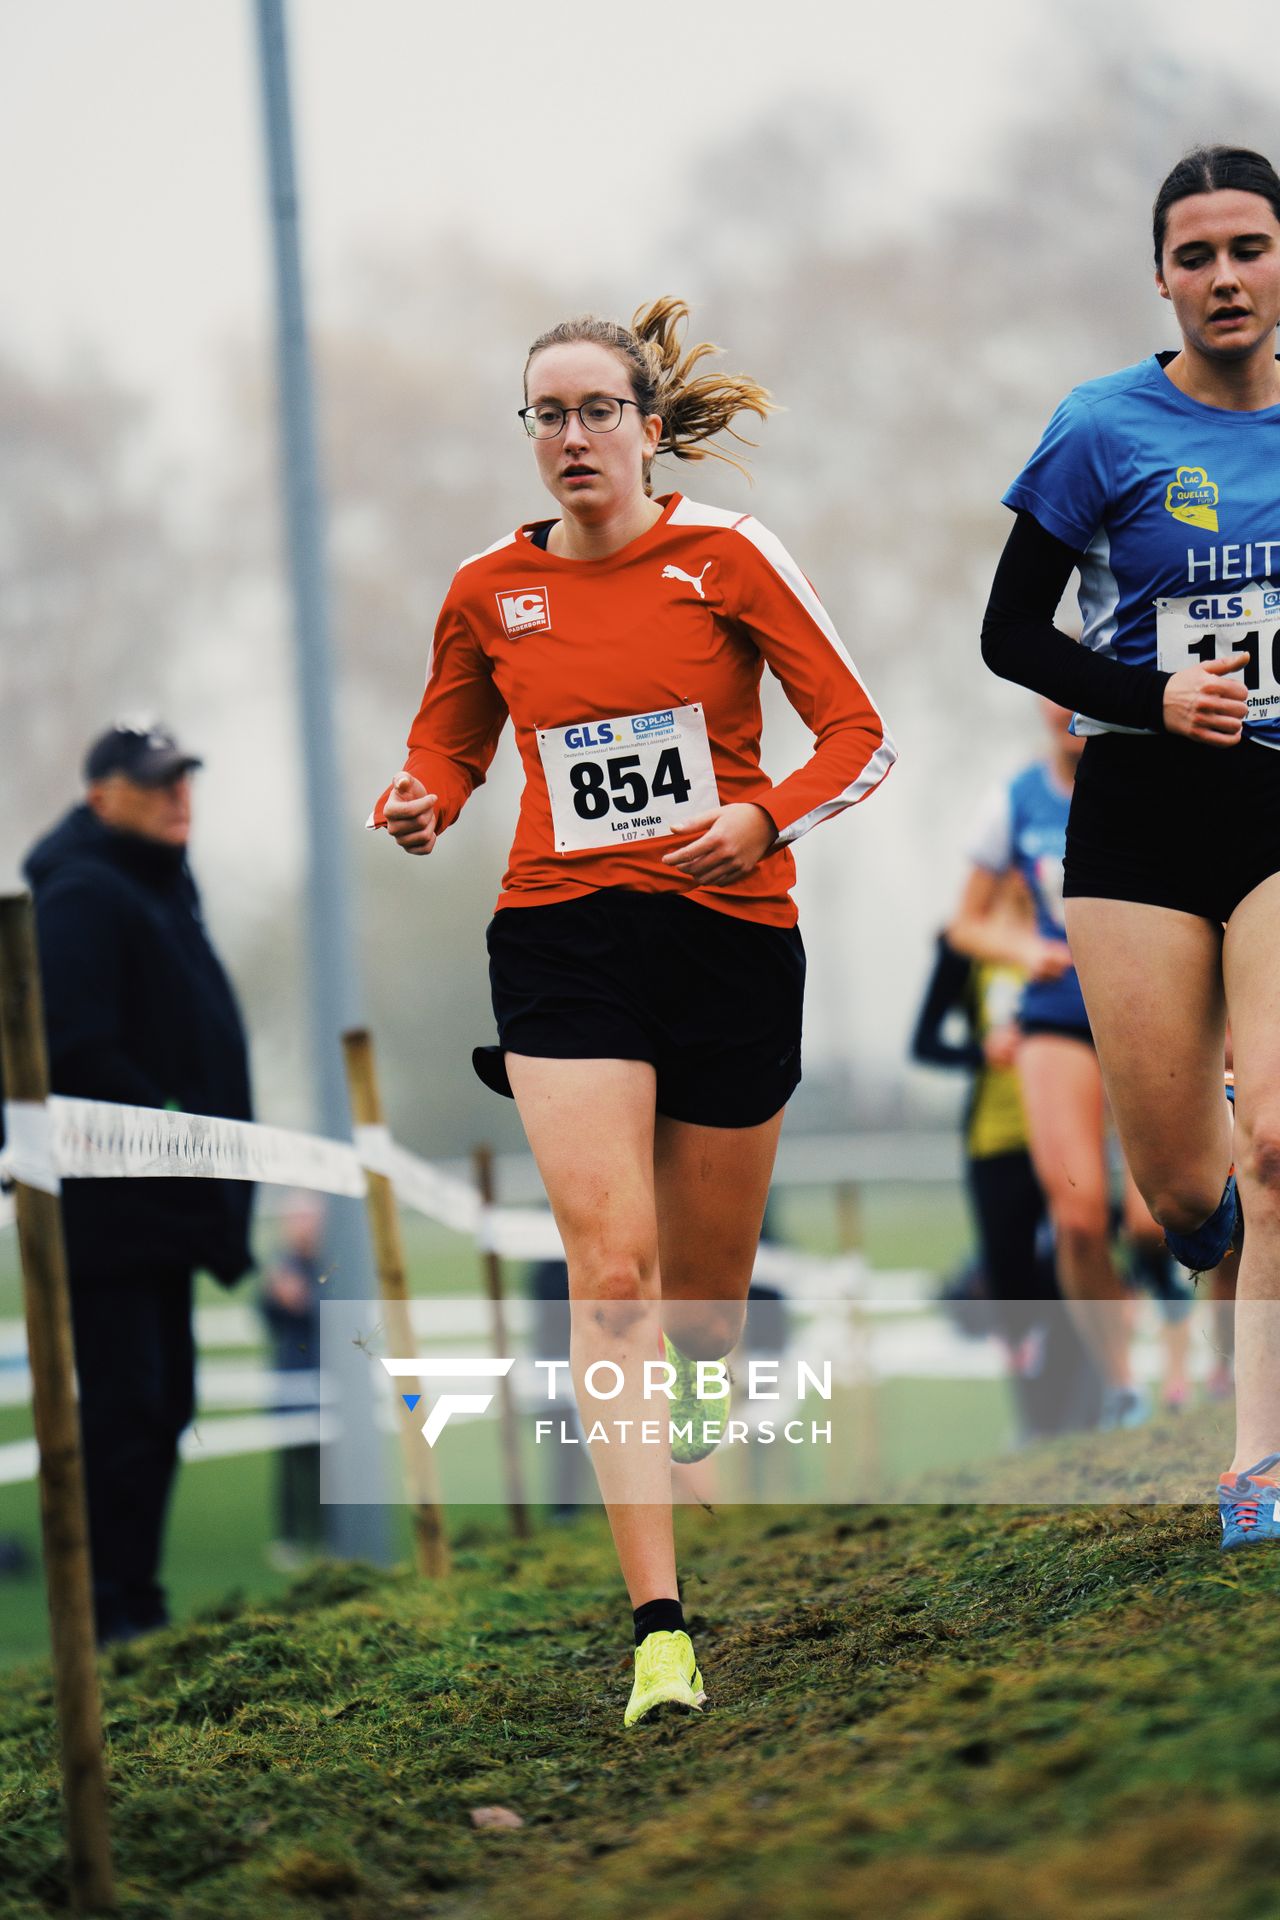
(1209, 170)
(661, 370)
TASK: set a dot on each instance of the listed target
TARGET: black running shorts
(714, 1002)
(1171, 822)
(1056, 1029)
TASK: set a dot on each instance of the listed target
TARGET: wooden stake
(431, 1542)
(849, 1216)
(866, 1424)
(64, 1517)
(491, 1266)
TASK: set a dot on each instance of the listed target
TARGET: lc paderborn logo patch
(1193, 498)
(525, 611)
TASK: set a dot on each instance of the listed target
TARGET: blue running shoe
(1249, 1506)
(1210, 1244)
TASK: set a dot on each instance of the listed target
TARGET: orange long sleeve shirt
(609, 670)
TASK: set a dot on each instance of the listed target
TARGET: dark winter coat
(138, 1010)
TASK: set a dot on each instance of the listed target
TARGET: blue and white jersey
(1176, 507)
(1023, 829)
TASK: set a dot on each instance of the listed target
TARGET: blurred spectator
(290, 1303)
(138, 1011)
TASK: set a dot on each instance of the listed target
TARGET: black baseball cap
(143, 751)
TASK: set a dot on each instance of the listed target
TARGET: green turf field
(922, 1713)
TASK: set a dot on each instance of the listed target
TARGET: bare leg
(1152, 982)
(590, 1124)
(1253, 994)
(712, 1184)
(1062, 1094)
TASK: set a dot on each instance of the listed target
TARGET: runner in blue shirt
(1023, 831)
(1160, 485)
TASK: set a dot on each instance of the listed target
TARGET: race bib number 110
(613, 782)
(1213, 626)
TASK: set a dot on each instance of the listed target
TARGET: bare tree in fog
(91, 583)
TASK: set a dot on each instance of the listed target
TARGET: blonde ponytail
(693, 406)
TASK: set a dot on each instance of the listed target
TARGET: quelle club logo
(1192, 497)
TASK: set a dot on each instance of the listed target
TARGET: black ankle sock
(658, 1616)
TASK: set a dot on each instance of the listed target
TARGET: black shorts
(714, 1002)
(1170, 822)
(1060, 1029)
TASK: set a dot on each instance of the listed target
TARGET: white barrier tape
(95, 1139)
(256, 1433)
(519, 1233)
(513, 1233)
(373, 1145)
(441, 1196)
(217, 1385)
(28, 1153)
(810, 1276)
(214, 1440)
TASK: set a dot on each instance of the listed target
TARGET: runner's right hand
(411, 814)
(1203, 704)
(1047, 959)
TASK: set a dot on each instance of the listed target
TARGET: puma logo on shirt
(678, 573)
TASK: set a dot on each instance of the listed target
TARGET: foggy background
(917, 227)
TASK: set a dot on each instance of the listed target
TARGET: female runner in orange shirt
(646, 967)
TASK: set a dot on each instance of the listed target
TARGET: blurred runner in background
(1023, 833)
(1055, 1385)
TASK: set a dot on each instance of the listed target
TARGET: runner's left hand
(730, 842)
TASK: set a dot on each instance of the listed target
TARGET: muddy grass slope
(957, 1714)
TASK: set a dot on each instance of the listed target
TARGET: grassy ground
(935, 1713)
(222, 1512)
(221, 1516)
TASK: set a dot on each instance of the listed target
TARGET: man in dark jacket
(138, 1011)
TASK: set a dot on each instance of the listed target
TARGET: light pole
(354, 1463)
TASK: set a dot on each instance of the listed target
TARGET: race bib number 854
(612, 782)
(1213, 626)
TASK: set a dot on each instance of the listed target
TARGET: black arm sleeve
(1020, 641)
(944, 993)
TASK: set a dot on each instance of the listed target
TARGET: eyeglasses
(601, 415)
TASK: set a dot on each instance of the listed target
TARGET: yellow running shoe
(690, 1410)
(666, 1671)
